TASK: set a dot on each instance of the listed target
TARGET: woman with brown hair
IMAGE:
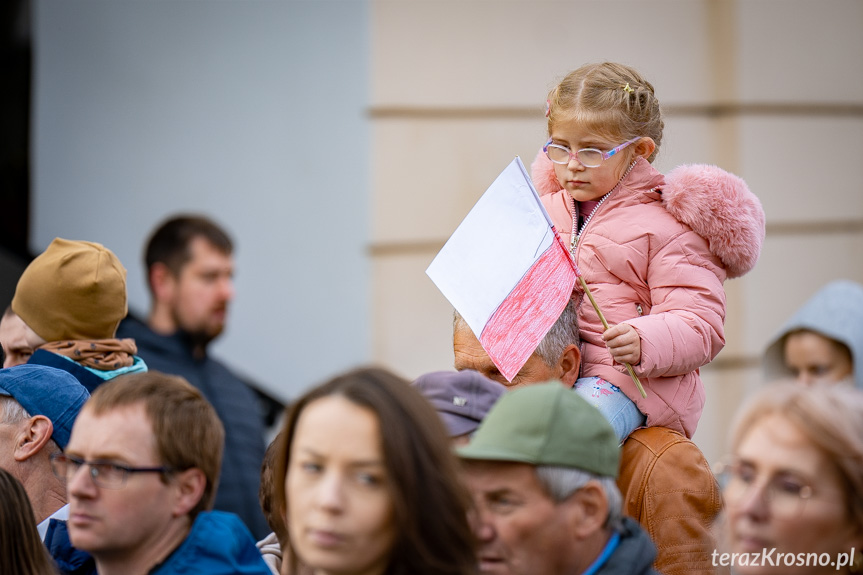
(794, 483)
(368, 484)
(21, 550)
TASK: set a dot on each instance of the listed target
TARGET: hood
(836, 312)
(635, 553)
(716, 204)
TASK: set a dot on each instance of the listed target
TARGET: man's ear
(569, 365)
(588, 510)
(33, 434)
(161, 281)
(190, 488)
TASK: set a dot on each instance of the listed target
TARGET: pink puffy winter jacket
(655, 254)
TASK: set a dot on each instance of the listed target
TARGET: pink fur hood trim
(716, 204)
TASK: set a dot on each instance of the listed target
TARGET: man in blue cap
(38, 405)
(541, 469)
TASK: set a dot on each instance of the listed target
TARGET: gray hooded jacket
(836, 312)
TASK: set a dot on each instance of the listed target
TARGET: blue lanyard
(603, 557)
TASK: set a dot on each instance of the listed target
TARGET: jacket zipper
(573, 240)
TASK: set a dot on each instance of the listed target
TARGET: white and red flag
(506, 270)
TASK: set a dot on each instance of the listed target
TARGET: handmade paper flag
(506, 270)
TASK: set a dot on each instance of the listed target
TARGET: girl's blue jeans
(620, 411)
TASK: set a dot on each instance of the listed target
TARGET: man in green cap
(541, 469)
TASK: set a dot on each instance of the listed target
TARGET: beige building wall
(771, 90)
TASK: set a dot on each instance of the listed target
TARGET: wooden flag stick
(605, 325)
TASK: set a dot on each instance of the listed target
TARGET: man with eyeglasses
(141, 470)
(38, 405)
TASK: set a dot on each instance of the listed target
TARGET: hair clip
(547, 108)
(628, 88)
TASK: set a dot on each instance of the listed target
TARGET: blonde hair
(829, 415)
(613, 100)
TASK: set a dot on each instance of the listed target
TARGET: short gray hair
(561, 482)
(561, 335)
(12, 412)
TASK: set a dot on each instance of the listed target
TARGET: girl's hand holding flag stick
(606, 326)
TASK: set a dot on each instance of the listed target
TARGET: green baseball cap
(546, 424)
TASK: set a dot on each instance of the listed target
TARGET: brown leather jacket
(668, 487)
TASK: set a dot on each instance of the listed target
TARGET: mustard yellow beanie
(73, 290)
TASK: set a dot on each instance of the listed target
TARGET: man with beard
(190, 266)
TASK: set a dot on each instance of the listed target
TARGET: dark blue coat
(237, 406)
(218, 544)
(69, 560)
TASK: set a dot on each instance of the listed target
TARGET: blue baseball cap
(48, 391)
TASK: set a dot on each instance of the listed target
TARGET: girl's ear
(645, 147)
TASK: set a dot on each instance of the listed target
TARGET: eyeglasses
(785, 495)
(104, 474)
(587, 157)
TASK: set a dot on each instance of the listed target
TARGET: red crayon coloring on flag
(512, 334)
(506, 270)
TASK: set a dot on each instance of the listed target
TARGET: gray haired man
(38, 406)
(541, 469)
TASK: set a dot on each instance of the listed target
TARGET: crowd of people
(126, 449)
